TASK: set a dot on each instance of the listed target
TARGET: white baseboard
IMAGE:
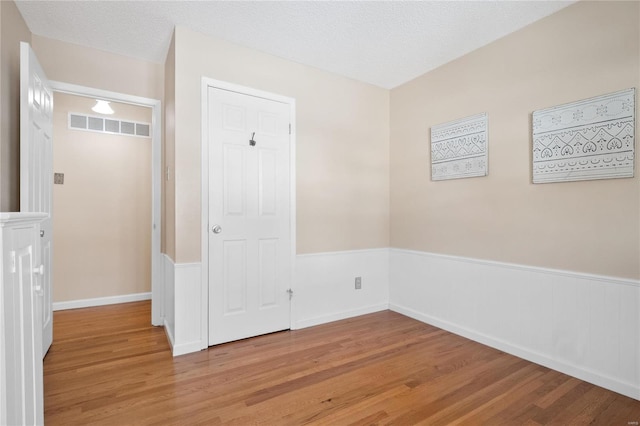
(583, 325)
(324, 286)
(187, 348)
(169, 332)
(180, 348)
(100, 301)
(337, 316)
(596, 378)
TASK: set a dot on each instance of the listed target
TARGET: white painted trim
(74, 89)
(344, 252)
(204, 209)
(526, 268)
(186, 348)
(168, 332)
(204, 186)
(186, 265)
(168, 300)
(187, 330)
(157, 281)
(337, 316)
(100, 301)
(590, 376)
(13, 218)
(292, 213)
(224, 85)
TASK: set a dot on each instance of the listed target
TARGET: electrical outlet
(358, 283)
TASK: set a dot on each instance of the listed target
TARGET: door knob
(216, 229)
(39, 270)
(42, 233)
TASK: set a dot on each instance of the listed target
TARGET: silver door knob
(39, 270)
(216, 229)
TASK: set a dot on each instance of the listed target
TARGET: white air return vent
(142, 130)
(112, 126)
(96, 123)
(127, 128)
(107, 125)
(78, 121)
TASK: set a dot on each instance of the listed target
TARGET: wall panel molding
(188, 309)
(583, 325)
(168, 298)
(524, 268)
(324, 287)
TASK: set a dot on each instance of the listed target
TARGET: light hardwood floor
(107, 365)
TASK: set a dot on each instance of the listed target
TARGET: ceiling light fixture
(102, 107)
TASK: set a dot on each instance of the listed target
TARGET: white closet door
(249, 216)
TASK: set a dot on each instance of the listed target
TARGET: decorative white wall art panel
(459, 148)
(588, 139)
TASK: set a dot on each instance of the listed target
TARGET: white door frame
(157, 281)
(204, 185)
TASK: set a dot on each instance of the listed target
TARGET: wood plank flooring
(108, 366)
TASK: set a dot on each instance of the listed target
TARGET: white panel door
(36, 168)
(249, 215)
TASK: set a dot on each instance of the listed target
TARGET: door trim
(157, 282)
(204, 185)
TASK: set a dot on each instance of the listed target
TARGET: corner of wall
(188, 335)
(169, 171)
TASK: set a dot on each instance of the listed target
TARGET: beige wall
(587, 49)
(13, 30)
(102, 213)
(74, 64)
(342, 145)
(71, 63)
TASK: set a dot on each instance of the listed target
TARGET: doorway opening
(107, 188)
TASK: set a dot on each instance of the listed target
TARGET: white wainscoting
(583, 325)
(169, 317)
(324, 288)
(189, 309)
(100, 301)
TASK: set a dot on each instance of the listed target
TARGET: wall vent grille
(106, 125)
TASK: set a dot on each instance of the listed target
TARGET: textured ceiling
(385, 43)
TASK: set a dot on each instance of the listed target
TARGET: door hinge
(289, 128)
(290, 293)
(12, 262)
